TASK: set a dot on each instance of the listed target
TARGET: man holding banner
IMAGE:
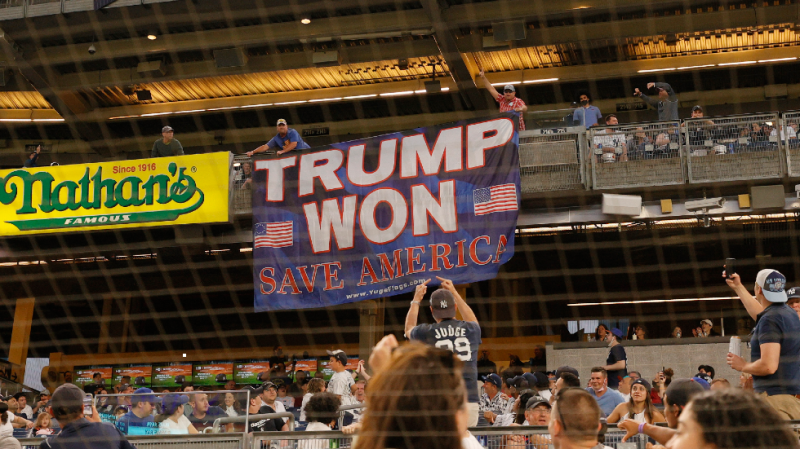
(462, 337)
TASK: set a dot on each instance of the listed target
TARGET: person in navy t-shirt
(287, 139)
(461, 337)
(139, 421)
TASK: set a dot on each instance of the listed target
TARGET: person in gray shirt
(667, 103)
(167, 145)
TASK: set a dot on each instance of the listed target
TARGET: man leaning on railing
(167, 145)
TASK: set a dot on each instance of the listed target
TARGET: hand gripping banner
(375, 217)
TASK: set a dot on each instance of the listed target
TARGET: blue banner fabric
(375, 217)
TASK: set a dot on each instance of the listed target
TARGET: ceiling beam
(256, 64)
(318, 30)
(460, 73)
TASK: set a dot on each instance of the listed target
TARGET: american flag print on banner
(493, 199)
(273, 235)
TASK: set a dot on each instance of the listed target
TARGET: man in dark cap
(77, 432)
(139, 420)
(463, 337)
(255, 408)
(493, 402)
(167, 145)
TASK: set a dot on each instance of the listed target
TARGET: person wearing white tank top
(639, 408)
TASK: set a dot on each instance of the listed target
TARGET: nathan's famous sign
(376, 217)
(137, 193)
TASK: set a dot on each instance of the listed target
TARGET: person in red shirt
(508, 99)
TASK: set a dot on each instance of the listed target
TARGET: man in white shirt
(342, 381)
(25, 410)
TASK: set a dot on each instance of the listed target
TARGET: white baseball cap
(772, 284)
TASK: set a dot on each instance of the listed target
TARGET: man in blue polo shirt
(287, 139)
(606, 398)
(774, 347)
(139, 420)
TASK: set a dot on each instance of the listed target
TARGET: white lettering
(447, 147)
(485, 136)
(443, 211)
(386, 160)
(399, 209)
(275, 168)
(332, 218)
(309, 170)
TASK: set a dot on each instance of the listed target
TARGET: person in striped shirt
(508, 99)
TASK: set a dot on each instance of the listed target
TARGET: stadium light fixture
(544, 80)
(737, 63)
(305, 21)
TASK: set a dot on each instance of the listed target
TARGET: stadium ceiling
(369, 47)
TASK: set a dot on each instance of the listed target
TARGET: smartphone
(730, 267)
(87, 404)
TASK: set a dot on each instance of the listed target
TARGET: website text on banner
(113, 195)
(375, 217)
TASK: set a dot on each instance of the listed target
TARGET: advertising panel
(140, 375)
(115, 195)
(170, 375)
(82, 375)
(251, 372)
(212, 373)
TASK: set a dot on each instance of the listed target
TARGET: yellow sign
(111, 195)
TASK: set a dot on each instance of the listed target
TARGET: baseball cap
(495, 380)
(681, 391)
(697, 107)
(536, 401)
(509, 87)
(267, 385)
(793, 293)
(254, 391)
(641, 382)
(772, 284)
(67, 398)
(144, 395)
(617, 333)
(707, 321)
(567, 369)
(166, 129)
(171, 402)
(339, 355)
(281, 122)
(703, 376)
(530, 378)
(702, 382)
(516, 382)
(45, 392)
(443, 304)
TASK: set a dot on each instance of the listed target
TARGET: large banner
(375, 217)
(110, 195)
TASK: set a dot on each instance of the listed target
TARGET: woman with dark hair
(601, 332)
(731, 419)
(416, 400)
(639, 408)
(8, 421)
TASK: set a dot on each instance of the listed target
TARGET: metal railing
(636, 155)
(246, 418)
(550, 161)
(787, 133)
(733, 148)
(200, 441)
(242, 184)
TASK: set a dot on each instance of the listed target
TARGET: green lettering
(163, 192)
(180, 192)
(70, 204)
(8, 190)
(84, 183)
(134, 199)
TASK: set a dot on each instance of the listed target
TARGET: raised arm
(466, 311)
(645, 98)
(413, 310)
(260, 149)
(752, 306)
(489, 86)
(668, 88)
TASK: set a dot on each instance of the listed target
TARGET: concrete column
(371, 328)
(21, 336)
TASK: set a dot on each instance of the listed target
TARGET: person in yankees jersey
(463, 337)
